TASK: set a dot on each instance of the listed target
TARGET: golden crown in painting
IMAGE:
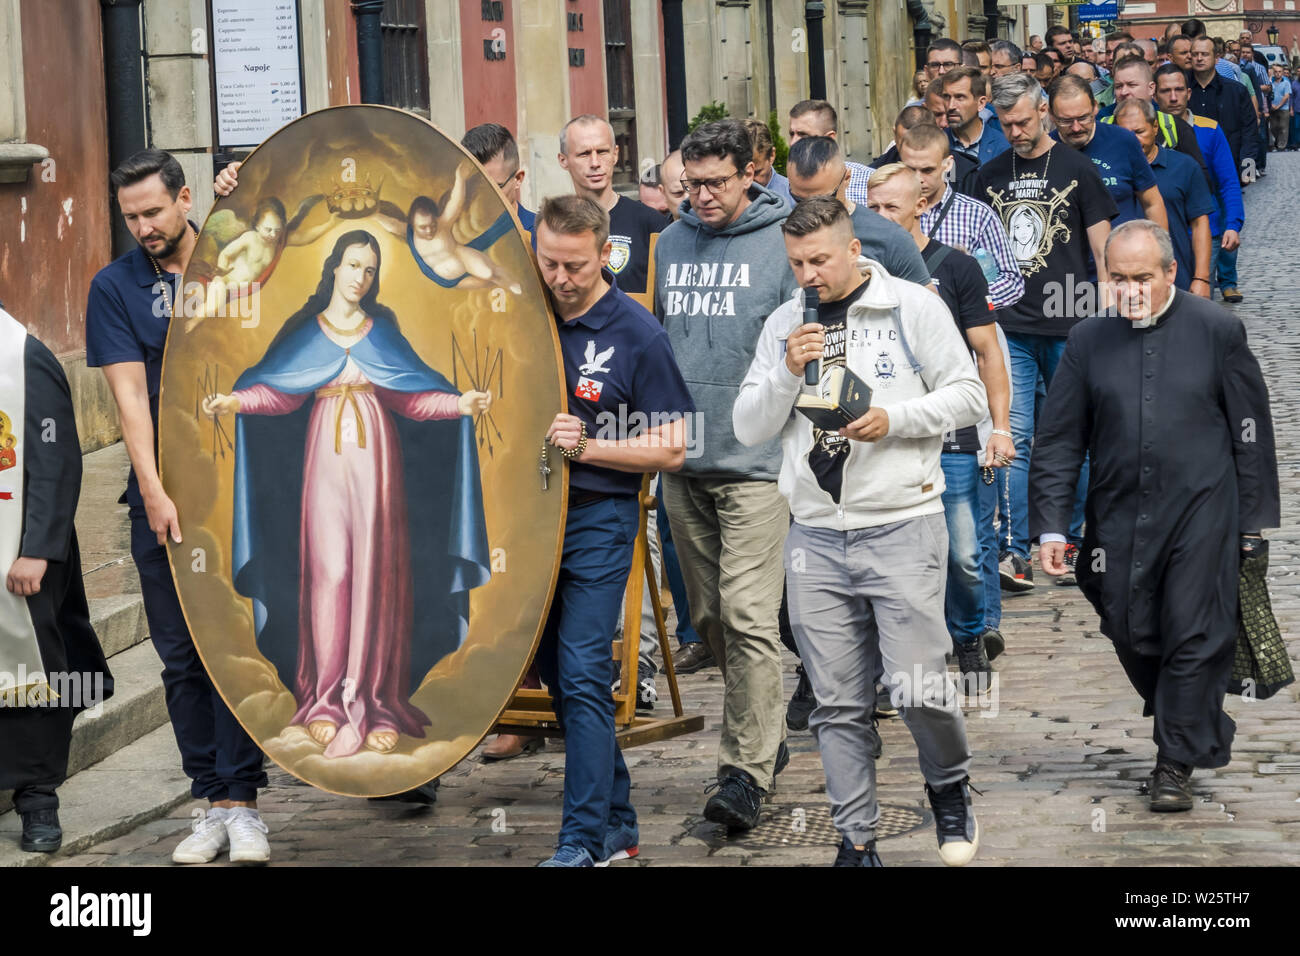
(352, 200)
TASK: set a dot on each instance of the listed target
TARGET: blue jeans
(1225, 265)
(988, 538)
(1032, 357)
(963, 604)
(676, 583)
(574, 661)
(1293, 142)
(217, 754)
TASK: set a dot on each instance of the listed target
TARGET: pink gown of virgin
(354, 592)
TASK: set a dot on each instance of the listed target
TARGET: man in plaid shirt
(971, 226)
(962, 221)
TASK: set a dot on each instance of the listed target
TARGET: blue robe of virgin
(444, 504)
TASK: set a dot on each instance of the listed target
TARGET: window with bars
(406, 55)
(620, 87)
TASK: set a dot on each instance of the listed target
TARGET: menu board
(258, 72)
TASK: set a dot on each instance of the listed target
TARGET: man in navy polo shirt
(626, 416)
(1187, 201)
(127, 315)
(1115, 152)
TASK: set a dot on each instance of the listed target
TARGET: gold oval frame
(464, 694)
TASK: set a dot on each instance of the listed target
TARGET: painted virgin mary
(358, 517)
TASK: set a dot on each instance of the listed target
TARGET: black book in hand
(842, 398)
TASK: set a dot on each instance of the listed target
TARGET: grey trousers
(860, 599)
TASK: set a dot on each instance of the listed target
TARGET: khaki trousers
(730, 535)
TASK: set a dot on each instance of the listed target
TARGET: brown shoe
(1230, 294)
(693, 657)
(509, 746)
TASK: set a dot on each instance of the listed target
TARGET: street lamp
(1272, 34)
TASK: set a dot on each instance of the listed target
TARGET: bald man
(670, 183)
(589, 155)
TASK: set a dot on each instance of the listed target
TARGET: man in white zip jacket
(866, 557)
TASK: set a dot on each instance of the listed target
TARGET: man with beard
(127, 317)
(1055, 209)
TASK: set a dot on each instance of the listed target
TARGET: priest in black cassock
(1170, 403)
(51, 664)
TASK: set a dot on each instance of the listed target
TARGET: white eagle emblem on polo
(620, 252)
(595, 363)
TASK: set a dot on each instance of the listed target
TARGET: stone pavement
(1060, 760)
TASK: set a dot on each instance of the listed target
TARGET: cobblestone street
(1061, 750)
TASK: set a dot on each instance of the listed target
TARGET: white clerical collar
(1155, 317)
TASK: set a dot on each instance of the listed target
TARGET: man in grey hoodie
(720, 270)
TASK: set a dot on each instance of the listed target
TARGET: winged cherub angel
(427, 229)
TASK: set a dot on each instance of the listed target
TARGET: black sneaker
(1171, 787)
(849, 855)
(959, 833)
(646, 692)
(41, 831)
(801, 704)
(693, 657)
(1071, 559)
(885, 706)
(973, 663)
(737, 803)
(1015, 573)
(994, 643)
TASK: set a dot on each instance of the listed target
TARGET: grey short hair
(1143, 106)
(1161, 237)
(1011, 89)
(1012, 51)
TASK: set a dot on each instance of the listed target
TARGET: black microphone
(812, 372)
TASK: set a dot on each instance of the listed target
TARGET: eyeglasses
(693, 186)
(940, 65)
(799, 199)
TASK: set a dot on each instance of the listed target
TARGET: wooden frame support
(532, 712)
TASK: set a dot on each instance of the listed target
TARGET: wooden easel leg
(670, 669)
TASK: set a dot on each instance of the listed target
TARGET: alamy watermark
(640, 429)
(81, 690)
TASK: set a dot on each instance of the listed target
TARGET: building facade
(164, 74)
(1222, 18)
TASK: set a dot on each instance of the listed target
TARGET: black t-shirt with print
(826, 459)
(631, 224)
(1046, 205)
(965, 292)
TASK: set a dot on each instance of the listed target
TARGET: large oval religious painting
(355, 390)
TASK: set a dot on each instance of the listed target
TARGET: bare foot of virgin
(381, 741)
(322, 731)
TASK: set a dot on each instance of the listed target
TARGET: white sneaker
(247, 836)
(208, 839)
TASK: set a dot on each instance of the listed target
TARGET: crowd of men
(1020, 285)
